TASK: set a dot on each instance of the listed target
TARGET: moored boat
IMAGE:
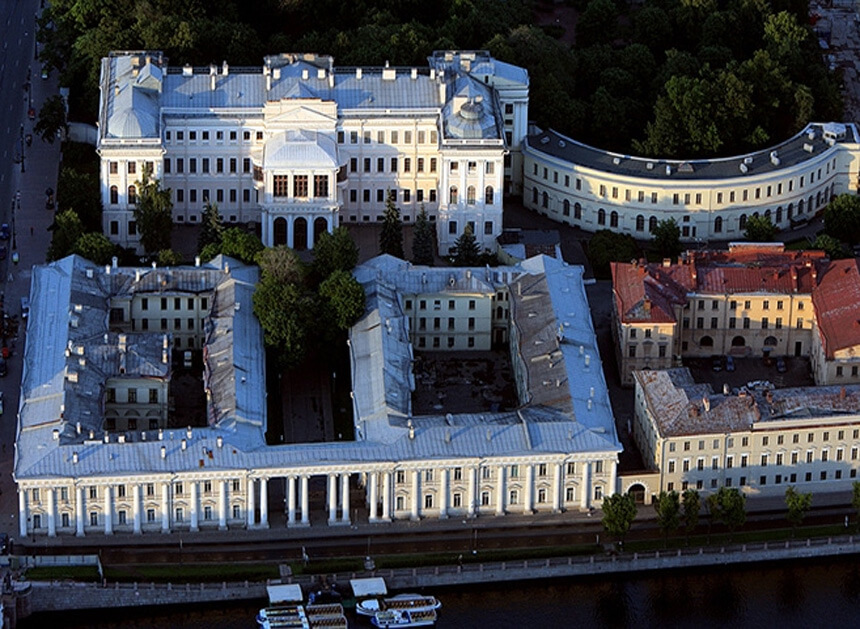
(404, 618)
(372, 598)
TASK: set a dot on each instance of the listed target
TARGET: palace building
(301, 146)
(108, 440)
(756, 299)
(760, 441)
(710, 199)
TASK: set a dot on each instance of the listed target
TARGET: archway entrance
(300, 234)
(320, 227)
(637, 490)
(738, 341)
(279, 228)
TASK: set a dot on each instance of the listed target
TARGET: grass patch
(193, 573)
(60, 573)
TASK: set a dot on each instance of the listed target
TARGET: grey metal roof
(789, 153)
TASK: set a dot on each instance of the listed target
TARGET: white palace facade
(710, 199)
(300, 146)
(101, 447)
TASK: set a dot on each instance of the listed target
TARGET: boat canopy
(285, 593)
(373, 586)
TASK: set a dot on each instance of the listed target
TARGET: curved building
(710, 199)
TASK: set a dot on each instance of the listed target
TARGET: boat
(372, 598)
(404, 618)
(285, 611)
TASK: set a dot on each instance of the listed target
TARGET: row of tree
(726, 506)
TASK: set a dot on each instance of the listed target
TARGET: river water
(796, 594)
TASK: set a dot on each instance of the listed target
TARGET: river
(795, 594)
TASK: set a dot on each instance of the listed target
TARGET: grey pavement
(31, 236)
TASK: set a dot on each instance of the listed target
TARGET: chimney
(268, 81)
(414, 73)
(163, 452)
(164, 357)
(74, 457)
(842, 393)
(187, 70)
(196, 260)
(213, 75)
(305, 74)
(225, 69)
(706, 403)
(55, 434)
(219, 441)
(647, 306)
(411, 429)
(321, 74)
(276, 74)
(189, 433)
(814, 275)
(78, 427)
(358, 74)
(693, 273)
(116, 90)
(184, 445)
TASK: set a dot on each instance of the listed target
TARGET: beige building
(756, 299)
(758, 441)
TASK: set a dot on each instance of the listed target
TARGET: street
(28, 219)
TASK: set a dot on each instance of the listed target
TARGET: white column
(306, 516)
(344, 498)
(310, 230)
(416, 487)
(264, 503)
(193, 507)
(386, 497)
(586, 485)
(556, 488)
(373, 500)
(251, 507)
(332, 498)
(79, 513)
(165, 507)
(528, 493)
(222, 505)
(500, 490)
(22, 513)
(291, 232)
(291, 500)
(443, 494)
(108, 509)
(135, 495)
(52, 512)
(473, 490)
(613, 478)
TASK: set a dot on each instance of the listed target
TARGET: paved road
(31, 238)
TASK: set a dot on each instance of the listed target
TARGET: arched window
(565, 208)
(739, 341)
(544, 200)
(470, 195)
(770, 341)
(706, 341)
(613, 219)
(742, 223)
(577, 211)
(809, 204)
(718, 225)
(114, 195)
(652, 224)
(452, 195)
(800, 207)
(779, 214)
(790, 211)
(818, 199)
(640, 223)
(755, 214)
(767, 215)
(488, 195)
(132, 195)
(534, 195)
(601, 216)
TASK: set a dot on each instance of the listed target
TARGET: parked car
(25, 307)
(717, 363)
(730, 363)
(780, 365)
(4, 231)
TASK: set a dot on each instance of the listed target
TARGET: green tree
(691, 504)
(168, 257)
(466, 249)
(67, 230)
(95, 247)
(153, 214)
(52, 119)
(667, 238)
(236, 243)
(423, 243)
(597, 23)
(855, 498)
(834, 249)
(619, 511)
(81, 192)
(608, 246)
(667, 505)
(345, 298)
(285, 312)
(281, 264)
(211, 227)
(728, 506)
(391, 238)
(797, 504)
(759, 229)
(842, 218)
(334, 251)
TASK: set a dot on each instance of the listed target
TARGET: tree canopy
(211, 226)
(344, 297)
(391, 237)
(52, 119)
(728, 505)
(619, 511)
(667, 505)
(466, 249)
(334, 251)
(236, 243)
(691, 504)
(153, 213)
(667, 238)
(797, 505)
(607, 246)
(760, 229)
(67, 228)
(423, 242)
(842, 218)
(95, 247)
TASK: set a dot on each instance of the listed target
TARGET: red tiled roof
(640, 297)
(837, 305)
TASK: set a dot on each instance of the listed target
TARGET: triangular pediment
(292, 112)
